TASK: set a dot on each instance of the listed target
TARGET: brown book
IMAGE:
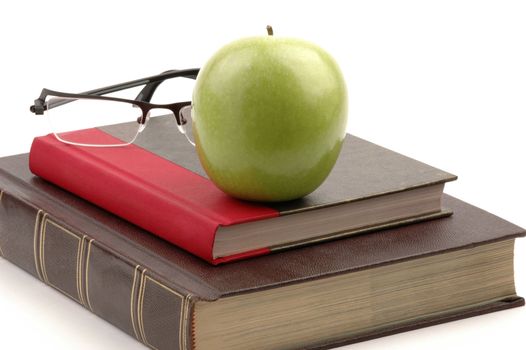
(318, 296)
(369, 187)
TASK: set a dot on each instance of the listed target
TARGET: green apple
(269, 117)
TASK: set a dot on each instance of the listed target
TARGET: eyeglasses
(68, 113)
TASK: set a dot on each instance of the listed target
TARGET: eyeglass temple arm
(147, 92)
(156, 79)
(39, 108)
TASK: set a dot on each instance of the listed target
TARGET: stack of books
(140, 237)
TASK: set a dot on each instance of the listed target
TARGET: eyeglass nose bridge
(150, 113)
(176, 111)
(180, 111)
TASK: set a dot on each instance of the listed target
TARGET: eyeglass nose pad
(143, 126)
(184, 121)
(185, 113)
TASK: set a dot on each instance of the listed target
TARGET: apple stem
(270, 31)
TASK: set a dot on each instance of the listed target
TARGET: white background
(441, 81)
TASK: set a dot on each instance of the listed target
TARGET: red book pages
(160, 196)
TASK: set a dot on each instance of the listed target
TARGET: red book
(158, 184)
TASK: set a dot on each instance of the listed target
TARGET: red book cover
(157, 183)
(158, 195)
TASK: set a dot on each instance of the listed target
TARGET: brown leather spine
(124, 293)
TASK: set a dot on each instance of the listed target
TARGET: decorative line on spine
(132, 299)
(80, 259)
(87, 274)
(140, 301)
(36, 241)
(1, 195)
(42, 236)
(192, 332)
(184, 325)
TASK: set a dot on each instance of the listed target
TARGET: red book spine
(163, 198)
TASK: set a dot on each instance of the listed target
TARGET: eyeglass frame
(142, 100)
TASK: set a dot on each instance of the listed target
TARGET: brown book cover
(151, 289)
(158, 184)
